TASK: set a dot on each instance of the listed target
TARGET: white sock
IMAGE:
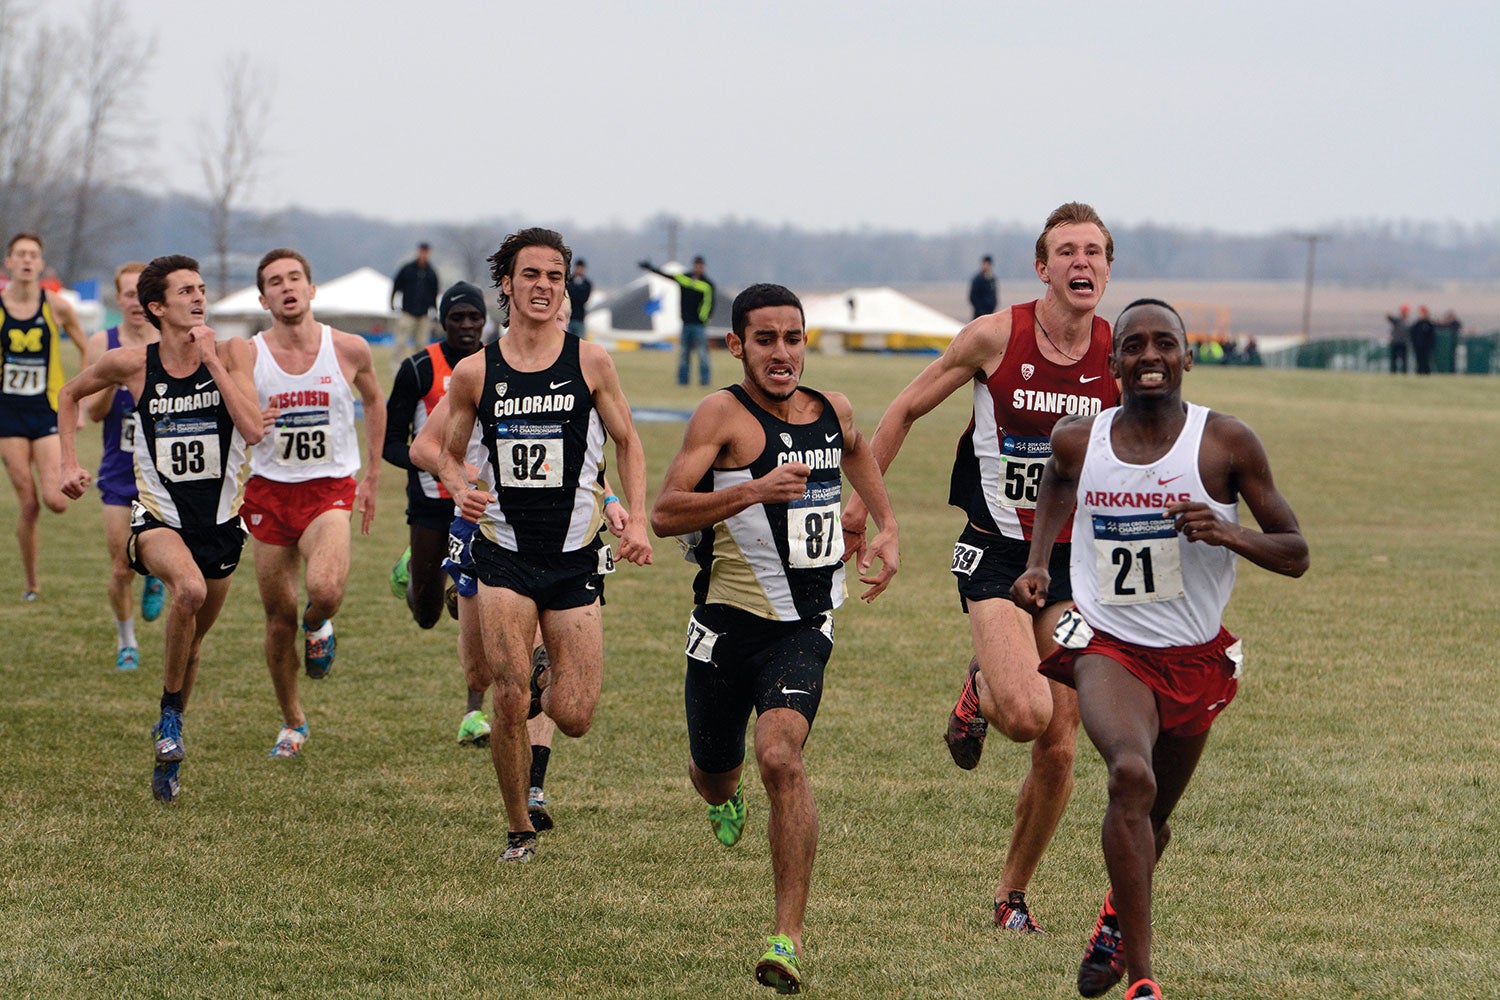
(126, 632)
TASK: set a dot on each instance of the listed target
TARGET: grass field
(1339, 840)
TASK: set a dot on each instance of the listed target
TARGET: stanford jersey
(998, 469)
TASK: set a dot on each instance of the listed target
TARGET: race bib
(302, 438)
(530, 462)
(127, 434)
(188, 450)
(25, 376)
(815, 537)
(1071, 631)
(1136, 559)
(700, 641)
(606, 560)
(1021, 463)
(966, 558)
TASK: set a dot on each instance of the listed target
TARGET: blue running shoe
(289, 742)
(164, 786)
(128, 658)
(318, 650)
(153, 595)
(168, 736)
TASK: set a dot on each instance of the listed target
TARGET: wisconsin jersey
(998, 469)
(543, 454)
(1134, 576)
(782, 561)
(32, 372)
(191, 462)
(314, 436)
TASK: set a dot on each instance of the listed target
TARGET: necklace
(1038, 320)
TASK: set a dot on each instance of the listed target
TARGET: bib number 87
(814, 536)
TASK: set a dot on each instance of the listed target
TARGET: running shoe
(474, 730)
(164, 785)
(168, 736)
(29, 596)
(520, 847)
(1144, 989)
(540, 661)
(318, 650)
(401, 575)
(153, 596)
(536, 808)
(289, 742)
(966, 725)
(728, 819)
(777, 968)
(127, 658)
(1104, 957)
(1012, 914)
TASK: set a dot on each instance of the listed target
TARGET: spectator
(417, 284)
(579, 290)
(1423, 337)
(697, 294)
(984, 290)
(1400, 337)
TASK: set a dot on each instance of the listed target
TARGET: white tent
(875, 319)
(359, 301)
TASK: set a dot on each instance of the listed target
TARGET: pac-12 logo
(786, 439)
(500, 388)
(1027, 371)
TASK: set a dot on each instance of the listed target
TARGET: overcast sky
(927, 116)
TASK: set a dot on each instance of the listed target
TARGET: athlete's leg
(46, 455)
(216, 591)
(166, 555)
(424, 591)
(324, 546)
(121, 576)
(16, 452)
(575, 644)
(1014, 697)
(1119, 714)
(1048, 784)
(792, 820)
(276, 576)
(508, 621)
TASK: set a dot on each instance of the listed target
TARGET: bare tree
(32, 109)
(473, 245)
(231, 155)
(108, 78)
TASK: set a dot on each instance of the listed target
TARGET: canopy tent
(359, 302)
(648, 311)
(875, 319)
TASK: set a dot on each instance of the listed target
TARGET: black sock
(539, 757)
(476, 699)
(171, 699)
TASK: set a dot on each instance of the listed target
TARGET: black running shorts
(985, 566)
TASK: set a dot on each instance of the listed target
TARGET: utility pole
(672, 227)
(1312, 252)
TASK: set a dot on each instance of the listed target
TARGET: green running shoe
(475, 729)
(401, 574)
(777, 968)
(728, 820)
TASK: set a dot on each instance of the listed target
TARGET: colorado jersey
(1134, 576)
(543, 454)
(782, 561)
(32, 372)
(191, 462)
(314, 436)
(998, 469)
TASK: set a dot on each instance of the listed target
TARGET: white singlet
(314, 437)
(1133, 575)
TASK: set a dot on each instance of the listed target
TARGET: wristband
(611, 499)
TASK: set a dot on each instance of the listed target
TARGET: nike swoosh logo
(559, 385)
(829, 437)
(787, 690)
(228, 565)
(1162, 482)
(200, 385)
(588, 586)
(1086, 379)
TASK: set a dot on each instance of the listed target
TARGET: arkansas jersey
(998, 469)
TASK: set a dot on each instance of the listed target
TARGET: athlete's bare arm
(232, 364)
(864, 475)
(614, 412)
(67, 318)
(1233, 465)
(463, 400)
(719, 433)
(354, 355)
(97, 406)
(1056, 498)
(123, 366)
(978, 347)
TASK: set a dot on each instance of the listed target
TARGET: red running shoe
(1104, 959)
(966, 725)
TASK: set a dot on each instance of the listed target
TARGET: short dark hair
(23, 235)
(152, 284)
(1074, 213)
(503, 261)
(1149, 302)
(758, 297)
(280, 253)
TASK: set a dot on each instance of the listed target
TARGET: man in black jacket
(417, 284)
(984, 291)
